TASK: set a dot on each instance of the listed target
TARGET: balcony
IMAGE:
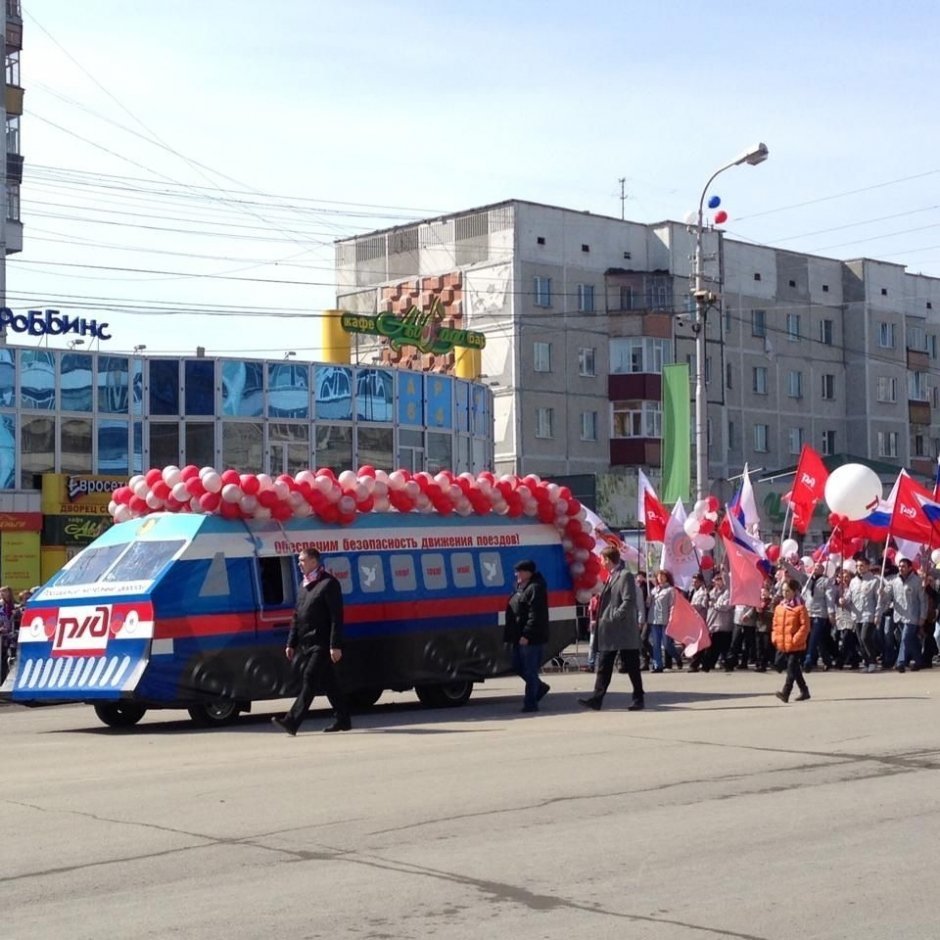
(14, 236)
(918, 360)
(14, 168)
(635, 452)
(918, 412)
(14, 101)
(14, 37)
(643, 386)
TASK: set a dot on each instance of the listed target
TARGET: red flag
(809, 486)
(747, 579)
(650, 511)
(909, 518)
(687, 627)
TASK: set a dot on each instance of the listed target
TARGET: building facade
(11, 229)
(581, 312)
(74, 425)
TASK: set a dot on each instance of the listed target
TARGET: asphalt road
(717, 812)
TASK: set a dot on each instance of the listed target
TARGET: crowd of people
(864, 616)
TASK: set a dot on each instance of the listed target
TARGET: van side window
(274, 574)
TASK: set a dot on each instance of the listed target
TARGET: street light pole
(703, 300)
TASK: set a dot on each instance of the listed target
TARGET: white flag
(679, 557)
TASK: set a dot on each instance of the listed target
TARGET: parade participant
(617, 630)
(662, 597)
(790, 633)
(906, 593)
(863, 600)
(316, 641)
(820, 605)
(527, 631)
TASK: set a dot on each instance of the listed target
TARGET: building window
(917, 338)
(932, 345)
(796, 440)
(825, 288)
(760, 380)
(540, 240)
(758, 323)
(544, 422)
(828, 386)
(884, 291)
(887, 389)
(887, 443)
(637, 419)
(588, 425)
(585, 298)
(793, 326)
(543, 291)
(825, 332)
(886, 336)
(756, 275)
(731, 436)
(917, 386)
(727, 319)
(920, 445)
(760, 438)
(585, 248)
(542, 357)
(586, 361)
(828, 443)
(626, 298)
(639, 354)
(729, 372)
(795, 384)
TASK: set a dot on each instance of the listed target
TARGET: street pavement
(717, 812)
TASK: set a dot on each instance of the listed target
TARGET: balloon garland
(339, 500)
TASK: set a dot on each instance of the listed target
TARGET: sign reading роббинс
(419, 328)
(51, 323)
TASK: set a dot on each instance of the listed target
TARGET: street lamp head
(756, 154)
(140, 348)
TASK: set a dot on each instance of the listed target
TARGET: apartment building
(11, 228)
(581, 312)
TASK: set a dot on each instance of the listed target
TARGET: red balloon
(123, 495)
(366, 471)
(194, 486)
(231, 476)
(721, 217)
(229, 510)
(282, 512)
(209, 501)
(188, 472)
(268, 499)
(136, 504)
(151, 476)
(773, 553)
(706, 527)
(366, 505)
(707, 563)
(249, 484)
(161, 490)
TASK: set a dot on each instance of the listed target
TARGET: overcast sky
(204, 154)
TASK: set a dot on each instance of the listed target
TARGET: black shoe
(544, 688)
(781, 696)
(530, 708)
(592, 703)
(900, 668)
(654, 669)
(636, 707)
(914, 667)
(282, 723)
(803, 696)
(341, 724)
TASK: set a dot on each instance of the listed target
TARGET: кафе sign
(419, 328)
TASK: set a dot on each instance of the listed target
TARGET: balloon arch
(342, 499)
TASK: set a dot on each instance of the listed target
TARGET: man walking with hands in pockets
(316, 638)
(617, 629)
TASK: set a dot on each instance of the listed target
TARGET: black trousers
(605, 669)
(795, 674)
(318, 676)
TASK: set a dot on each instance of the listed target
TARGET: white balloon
(122, 514)
(231, 492)
(691, 526)
(141, 488)
(264, 482)
(849, 565)
(853, 491)
(248, 505)
(171, 475)
(347, 479)
(705, 543)
(381, 504)
(212, 481)
(154, 501)
(134, 480)
(112, 508)
(789, 547)
(180, 493)
(935, 556)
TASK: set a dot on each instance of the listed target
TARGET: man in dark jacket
(527, 631)
(617, 629)
(316, 639)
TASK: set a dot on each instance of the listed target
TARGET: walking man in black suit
(617, 629)
(316, 638)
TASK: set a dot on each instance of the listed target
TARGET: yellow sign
(74, 494)
(19, 560)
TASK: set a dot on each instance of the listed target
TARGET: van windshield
(136, 561)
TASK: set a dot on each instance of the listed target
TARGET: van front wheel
(119, 714)
(222, 711)
(444, 694)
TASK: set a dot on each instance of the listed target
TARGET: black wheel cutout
(444, 694)
(120, 714)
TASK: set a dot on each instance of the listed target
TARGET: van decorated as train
(186, 602)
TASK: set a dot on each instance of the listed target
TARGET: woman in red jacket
(790, 633)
